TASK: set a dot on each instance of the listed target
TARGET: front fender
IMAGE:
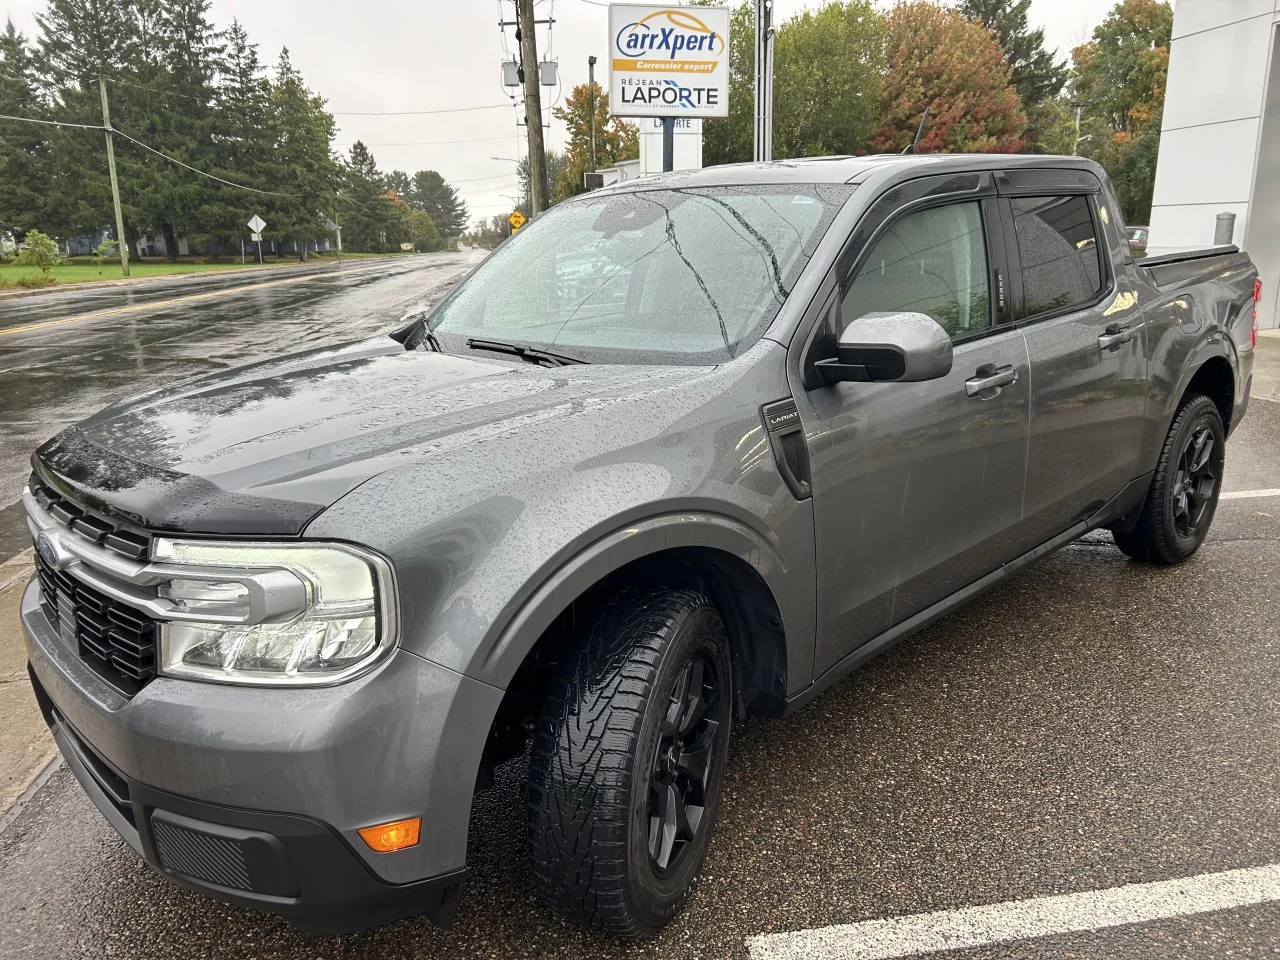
(499, 655)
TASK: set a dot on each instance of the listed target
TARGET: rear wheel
(1184, 491)
(628, 761)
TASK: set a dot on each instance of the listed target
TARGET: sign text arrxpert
(667, 61)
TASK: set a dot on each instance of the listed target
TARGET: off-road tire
(1158, 537)
(599, 737)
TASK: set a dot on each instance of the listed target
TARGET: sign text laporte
(668, 61)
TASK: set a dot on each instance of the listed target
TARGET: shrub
(39, 251)
(103, 250)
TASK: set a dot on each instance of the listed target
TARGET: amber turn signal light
(397, 835)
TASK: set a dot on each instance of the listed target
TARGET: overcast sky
(387, 55)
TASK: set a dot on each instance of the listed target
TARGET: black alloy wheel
(1195, 485)
(1183, 497)
(683, 759)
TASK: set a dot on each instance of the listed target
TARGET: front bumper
(255, 796)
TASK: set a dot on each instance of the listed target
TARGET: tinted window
(663, 276)
(932, 262)
(1058, 242)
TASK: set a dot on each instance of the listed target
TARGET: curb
(38, 780)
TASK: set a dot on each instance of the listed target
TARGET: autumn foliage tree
(957, 69)
(1120, 79)
(615, 139)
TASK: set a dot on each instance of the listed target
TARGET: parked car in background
(682, 451)
(1138, 239)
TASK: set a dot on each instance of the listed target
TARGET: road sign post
(517, 220)
(257, 225)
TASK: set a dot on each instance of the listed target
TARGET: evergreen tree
(241, 140)
(180, 122)
(431, 193)
(302, 164)
(24, 147)
(399, 181)
(1036, 73)
(80, 40)
(371, 213)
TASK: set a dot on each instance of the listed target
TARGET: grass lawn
(82, 270)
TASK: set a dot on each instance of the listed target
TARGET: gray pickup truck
(679, 453)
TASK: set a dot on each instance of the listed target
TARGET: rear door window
(1058, 244)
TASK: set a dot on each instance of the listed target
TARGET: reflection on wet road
(131, 339)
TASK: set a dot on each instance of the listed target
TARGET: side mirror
(889, 347)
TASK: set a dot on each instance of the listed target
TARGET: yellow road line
(157, 304)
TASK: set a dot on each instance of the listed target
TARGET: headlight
(287, 614)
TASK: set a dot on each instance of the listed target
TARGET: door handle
(1116, 335)
(990, 377)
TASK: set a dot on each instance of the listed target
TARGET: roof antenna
(919, 133)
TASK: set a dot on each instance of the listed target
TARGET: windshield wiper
(524, 352)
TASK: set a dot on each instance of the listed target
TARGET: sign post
(668, 62)
(516, 220)
(257, 225)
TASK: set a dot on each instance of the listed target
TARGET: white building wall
(1214, 139)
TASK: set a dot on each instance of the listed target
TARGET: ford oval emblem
(48, 552)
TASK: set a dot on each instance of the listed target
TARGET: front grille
(201, 855)
(96, 528)
(117, 641)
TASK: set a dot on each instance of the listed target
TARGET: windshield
(654, 276)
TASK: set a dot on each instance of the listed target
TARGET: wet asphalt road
(54, 373)
(1090, 723)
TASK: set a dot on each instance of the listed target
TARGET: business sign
(668, 61)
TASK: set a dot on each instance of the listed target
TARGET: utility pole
(591, 87)
(527, 34)
(115, 186)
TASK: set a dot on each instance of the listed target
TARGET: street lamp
(527, 183)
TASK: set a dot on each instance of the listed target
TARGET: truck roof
(852, 169)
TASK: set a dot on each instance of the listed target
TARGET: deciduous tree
(1037, 74)
(828, 76)
(956, 68)
(1120, 80)
(615, 140)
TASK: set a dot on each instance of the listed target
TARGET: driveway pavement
(1090, 726)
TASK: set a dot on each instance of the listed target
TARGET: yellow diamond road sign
(517, 220)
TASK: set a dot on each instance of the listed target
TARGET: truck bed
(1183, 265)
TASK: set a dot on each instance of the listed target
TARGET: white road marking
(1250, 494)
(1023, 919)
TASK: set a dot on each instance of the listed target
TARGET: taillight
(1257, 297)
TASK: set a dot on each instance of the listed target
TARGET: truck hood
(263, 449)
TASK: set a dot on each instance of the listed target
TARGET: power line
(54, 123)
(432, 143)
(167, 93)
(414, 113)
(500, 176)
(239, 186)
